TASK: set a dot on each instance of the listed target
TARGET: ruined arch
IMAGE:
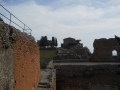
(106, 50)
(114, 53)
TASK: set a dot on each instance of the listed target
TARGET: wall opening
(114, 53)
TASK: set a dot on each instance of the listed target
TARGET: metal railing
(28, 30)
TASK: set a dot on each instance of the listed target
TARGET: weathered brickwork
(6, 69)
(26, 64)
(19, 59)
(100, 81)
(83, 70)
(103, 50)
(88, 77)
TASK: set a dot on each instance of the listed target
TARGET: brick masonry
(103, 50)
(88, 77)
(19, 59)
(26, 64)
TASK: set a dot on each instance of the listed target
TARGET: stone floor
(46, 82)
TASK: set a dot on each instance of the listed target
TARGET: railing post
(10, 18)
(24, 28)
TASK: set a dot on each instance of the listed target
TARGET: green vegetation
(44, 42)
(46, 56)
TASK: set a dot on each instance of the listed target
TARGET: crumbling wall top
(105, 42)
(10, 31)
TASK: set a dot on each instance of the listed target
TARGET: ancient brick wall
(80, 51)
(88, 77)
(82, 70)
(100, 81)
(19, 59)
(26, 64)
(103, 50)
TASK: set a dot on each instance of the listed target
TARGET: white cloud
(78, 21)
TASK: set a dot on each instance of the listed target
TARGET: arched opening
(114, 53)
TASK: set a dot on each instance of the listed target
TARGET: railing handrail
(29, 32)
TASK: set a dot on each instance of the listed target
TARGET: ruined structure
(19, 59)
(103, 49)
(73, 49)
(67, 42)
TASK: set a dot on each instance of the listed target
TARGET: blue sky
(81, 19)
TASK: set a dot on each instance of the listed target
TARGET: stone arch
(107, 50)
(114, 53)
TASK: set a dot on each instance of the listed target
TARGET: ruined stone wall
(98, 82)
(68, 40)
(6, 69)
(19, 59)
(70, 60)
(87, 77)
(82, 70)
(103, 50)
(81, 51)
